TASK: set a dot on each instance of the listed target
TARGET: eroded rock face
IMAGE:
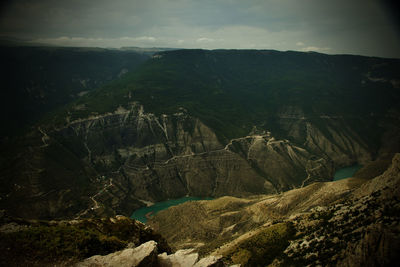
(377, 248)
(344, 147)
(108, 164)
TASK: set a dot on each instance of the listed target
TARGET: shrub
(56, 243)
(262, 248)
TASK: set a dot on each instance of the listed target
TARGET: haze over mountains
(95, 132)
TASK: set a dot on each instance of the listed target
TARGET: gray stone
(181, 258)
(143, 255)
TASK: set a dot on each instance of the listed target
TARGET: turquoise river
(346, 172)
(146, 212)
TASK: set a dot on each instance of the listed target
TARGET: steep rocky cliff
(109, 164)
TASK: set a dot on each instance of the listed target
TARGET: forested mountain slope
(36, 80)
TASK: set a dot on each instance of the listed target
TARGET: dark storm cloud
(331, 26)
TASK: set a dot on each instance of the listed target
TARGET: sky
(363, 27)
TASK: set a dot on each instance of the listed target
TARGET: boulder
(143, 255)
(187, 258)
(181, 258)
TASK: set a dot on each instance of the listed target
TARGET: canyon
(131, 156)
(182, 124)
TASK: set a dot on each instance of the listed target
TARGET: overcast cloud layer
(330, 26)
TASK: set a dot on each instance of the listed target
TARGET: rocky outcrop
(340, 144)
(146, 255)
(387, 182)
(188, 258)
(331, 137)
(376, 248)
(283, 164)
(143, 255)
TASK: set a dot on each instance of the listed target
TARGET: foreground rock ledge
(143, 255)
(146, 255)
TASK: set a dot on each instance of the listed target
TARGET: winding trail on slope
(95, 202)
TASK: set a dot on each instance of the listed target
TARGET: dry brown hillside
(348, 223)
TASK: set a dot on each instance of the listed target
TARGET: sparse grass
(373, 169)
(44, 242)
(56, 243)
(225, 202)
(262, 248)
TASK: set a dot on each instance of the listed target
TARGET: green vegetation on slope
(233, 90)
(60, 242)
(36, 80)
(262, 248)
(38, 243)
(373, 169)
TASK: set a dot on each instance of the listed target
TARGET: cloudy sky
(365, 27)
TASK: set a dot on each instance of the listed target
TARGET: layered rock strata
(111, 163)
